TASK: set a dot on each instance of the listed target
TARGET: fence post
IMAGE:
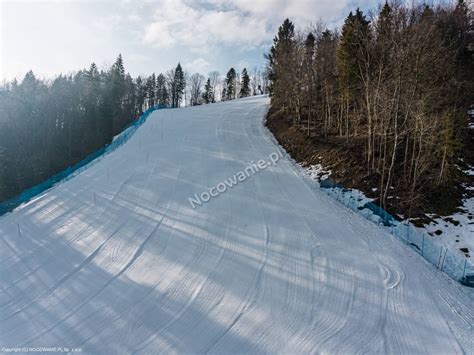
(94, 197)
(439, 257)
(464, 270)
(19, 231)
(423, 245)
(408, 232)
(444, 258)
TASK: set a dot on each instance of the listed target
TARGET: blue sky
(52, 37)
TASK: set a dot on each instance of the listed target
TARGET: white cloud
(151, 35)
(198, 25)
(175, 22)
(302, 12)
(158, 34)
(199, 65)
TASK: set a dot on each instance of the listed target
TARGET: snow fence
(71, 171)
(454, 264)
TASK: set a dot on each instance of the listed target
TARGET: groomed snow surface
(116, 260)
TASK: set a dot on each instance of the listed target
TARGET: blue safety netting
(66, 174)
(455, 264)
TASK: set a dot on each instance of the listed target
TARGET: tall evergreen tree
(151, 90)
(91, 100)
(162, 96)
(140, 95)
(230, 84)
(280, 60)
(245, 84)
(224, 93)
(352, 49)
(178, 86)
(116, 99)
(208, 94)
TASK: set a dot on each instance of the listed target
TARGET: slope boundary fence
(453, 264)
(457, 267)
(66, 174)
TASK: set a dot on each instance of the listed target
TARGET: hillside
(117, 260)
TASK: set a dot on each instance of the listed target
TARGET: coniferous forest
(49, 125)
(391, 87)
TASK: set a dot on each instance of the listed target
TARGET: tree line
(46, 126)
(397, 81)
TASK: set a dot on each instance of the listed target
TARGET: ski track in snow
(271, 265)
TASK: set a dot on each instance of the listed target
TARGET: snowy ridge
(115, 260)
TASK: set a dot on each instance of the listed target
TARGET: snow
(317, 172)
(469, 172)
(456, 231)
(121, 263)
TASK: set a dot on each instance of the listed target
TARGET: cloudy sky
(52, 37)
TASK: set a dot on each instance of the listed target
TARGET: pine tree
(117, 96)
(93, 71)
(92, 100)
(208, 94)
(352, 45)
(118, 67)
(162, 98)
(245, 84)
(353, 68)
(140, 95)
(384, 23)
(224, 94)
(230, 84)
(151, 90)
(178, 85)
(280, 64)
(130, 100)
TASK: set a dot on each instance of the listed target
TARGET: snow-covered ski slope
(116, 260)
